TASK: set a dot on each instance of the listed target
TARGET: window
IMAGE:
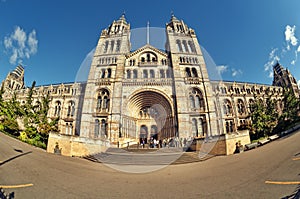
(145, 74)
(103, 128)
(179, 47)
(169, 73)
(152, 74)
(105, 46)
(57, 108)
(71, 109)
(112, 44)
(191, 46)
(97, 127)
(162, 73)
(196, 99)
(241, 107)
(229, 126)
(192, 101)
(118, 45)
(251, 105)
(134, 74)
(128, 72)
(194, 127)
(102, 73)
(194, 72)
(103, 101)
(227, 108)
(185, 47)
(109, 73)
(201, 127)
(188, 72)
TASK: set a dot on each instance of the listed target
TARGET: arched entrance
(143, 134)
(152, 114)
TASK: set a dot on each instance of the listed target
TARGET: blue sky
(244, 38)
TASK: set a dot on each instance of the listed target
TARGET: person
(237, 148)
(143, 142)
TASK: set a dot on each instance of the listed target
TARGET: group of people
(166, 142)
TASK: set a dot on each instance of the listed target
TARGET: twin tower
(149, 92)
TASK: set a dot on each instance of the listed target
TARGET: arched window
(201, 129)
(143, 59)
(188, 72)
(196, 99)
(194, 72)
(169, 73)
(134, 74)
(251, 105)
(179, 47)
(148, 57)
(128, 73)
(241, 107)
(57, 108)
(145, 73)
(152, 74)
(99, 102)
(192, 101)
(71, 109)
(227, 107)
(108, 73)
(118, 46)
(112, 45)
(103, 128)
(162, 73)
(97, 128)
(194, 127)
(105, 46)
(191, 46)
(103, 101)
(102, 73)
(185, 47)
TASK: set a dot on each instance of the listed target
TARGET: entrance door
(154, 133)
(143, 134)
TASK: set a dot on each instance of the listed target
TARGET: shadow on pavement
(295, 195)
(17, 156)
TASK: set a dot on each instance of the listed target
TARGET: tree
(290, 112)
(258, 118)
(272, 115)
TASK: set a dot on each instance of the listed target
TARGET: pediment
(145, 49)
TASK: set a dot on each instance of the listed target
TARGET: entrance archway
(152, 114)
(143, 134)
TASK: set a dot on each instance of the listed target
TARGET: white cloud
(298, 49)
(236, 72)
(273, 59)
(32, 42)
(290, 35)
(221, 69)
(293, 62)
(19, 46)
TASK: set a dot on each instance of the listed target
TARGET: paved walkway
(236, 176)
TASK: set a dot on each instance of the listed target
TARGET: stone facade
(131, 96)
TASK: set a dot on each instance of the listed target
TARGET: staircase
(164, 156)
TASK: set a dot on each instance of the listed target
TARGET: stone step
(164, 156)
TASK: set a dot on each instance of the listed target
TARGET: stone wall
(223, 144)
(242, 137)
(75, 146)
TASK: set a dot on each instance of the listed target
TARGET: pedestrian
(237, 148)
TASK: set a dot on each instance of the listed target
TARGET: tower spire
(148, 33)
